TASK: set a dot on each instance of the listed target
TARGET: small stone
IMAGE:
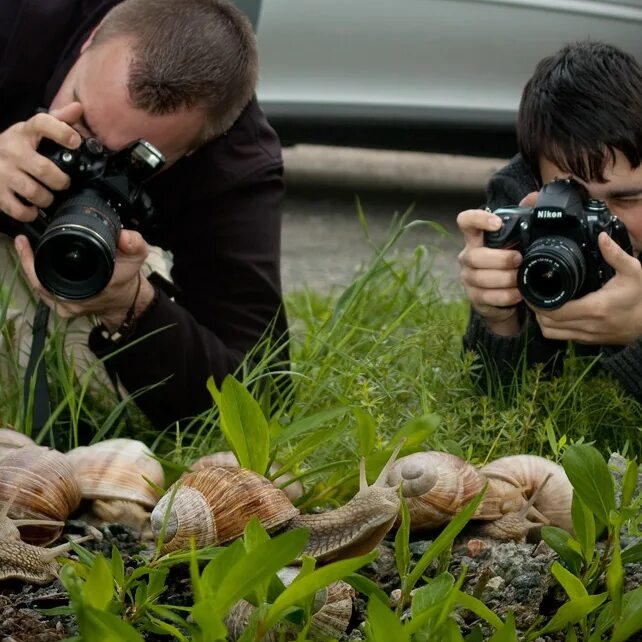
(395, 596)
(496, 583)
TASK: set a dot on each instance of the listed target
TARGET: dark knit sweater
(504, 355)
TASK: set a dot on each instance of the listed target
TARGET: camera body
(76, 237)
(558, 241)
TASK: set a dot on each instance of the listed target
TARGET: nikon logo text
(549, 214)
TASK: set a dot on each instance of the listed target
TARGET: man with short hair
(180, 75)
(580, 117)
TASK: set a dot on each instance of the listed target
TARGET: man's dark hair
(581, 105)
(187, 53)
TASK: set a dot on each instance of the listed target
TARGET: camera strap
(36, 368)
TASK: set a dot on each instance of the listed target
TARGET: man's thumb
(529, 200)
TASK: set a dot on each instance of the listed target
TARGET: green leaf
(569, 582)
(217, 569)
(444, 539)
(316, 580)
(565, 546)
(254, 537)
(416, 431)
(308, 424)
(591, 479)
(402, 538)
(99, 587)
(243, 424)
(631, 621)
(117, 566)
(366, 431)
(584, 527)
(507, 632)
(257, 566)
(432, 593)
(632, 554)
(383, 625)
(365, 586)
(615, 578)
(572, 612)
(629, 483)
(207, 615)
(106, 627)
(477, 607)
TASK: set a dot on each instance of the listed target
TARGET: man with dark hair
(581, 117)
(180, 75)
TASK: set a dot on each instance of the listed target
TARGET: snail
(214, 505)
(41, 486)
(331, 613)
(11, 439)
(23, 561)
(113, 474)
(437, 485)
(227, 459)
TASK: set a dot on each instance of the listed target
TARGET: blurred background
(402, 103)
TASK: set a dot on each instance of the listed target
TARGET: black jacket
(218, 213)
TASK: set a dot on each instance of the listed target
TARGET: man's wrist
(143, 299)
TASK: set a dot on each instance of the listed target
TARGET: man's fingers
(30, 189)
(473, 224)
(44, 171)
(616, 257)
(69, 114)
(132, 244)
(489, 279)
(496, 298)
(9, 204)
(490, 258)
(47, 126)
(529, 200)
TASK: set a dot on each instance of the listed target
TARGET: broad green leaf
(99, 587)
(243, 424)
(366, 431)
(507, 631)
(402, 537)
(444, 539)
(584, 527)
(206, 614)
(565, 546)
(216, 571)
(117, 566)
(632, 554)
(106, 627)
(308, 424)
(416, 431)
(432, 593)
(591, 479)
(572, 612)
(383, 625)
(477, 607)
(316, 580)
(255, 536)
(165, 627)
(631, 621)
(256, 566)
(157, 583)
(570, 583)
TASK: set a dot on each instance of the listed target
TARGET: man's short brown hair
(187, 53)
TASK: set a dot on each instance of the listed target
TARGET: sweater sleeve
(226, 269)
(625, 364)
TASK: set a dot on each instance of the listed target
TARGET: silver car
(438, 75)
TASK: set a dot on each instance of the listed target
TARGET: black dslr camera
(75, 238)
(558, 240)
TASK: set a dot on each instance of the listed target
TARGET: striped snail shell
(213, 505)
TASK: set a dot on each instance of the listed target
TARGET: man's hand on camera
(489, 275)
(27, 174)
(611, 315)
(113, 303)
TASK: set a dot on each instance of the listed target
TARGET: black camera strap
(36, 368)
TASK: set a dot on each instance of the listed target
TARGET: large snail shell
(227, 459)
(436, 486)
(42, 485)
(117, 469)
(514, 479)
(214, 505)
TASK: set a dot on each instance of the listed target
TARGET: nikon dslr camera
(558, 240)
(76, 237)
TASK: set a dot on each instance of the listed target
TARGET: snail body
(11, 439)
(214, 505)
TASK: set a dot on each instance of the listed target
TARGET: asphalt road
(324, 243)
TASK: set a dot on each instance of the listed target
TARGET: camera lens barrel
(552, 272)
(75, 256)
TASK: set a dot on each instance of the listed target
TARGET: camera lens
(552, 272)
(75, 256)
